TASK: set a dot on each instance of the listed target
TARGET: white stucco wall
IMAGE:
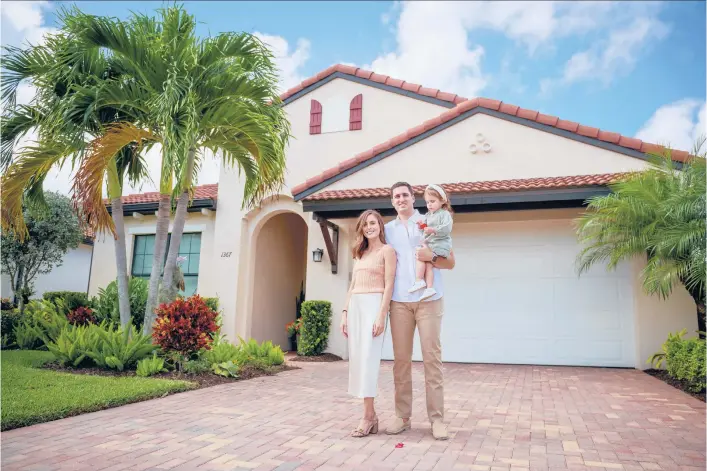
(104, 270)
(385, 115)
(517, 152)
(72, 275)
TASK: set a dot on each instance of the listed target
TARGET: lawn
(32, 395)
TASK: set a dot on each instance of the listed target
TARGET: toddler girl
(437, 229)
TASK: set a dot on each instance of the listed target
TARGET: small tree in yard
(659, 213)
(53, 230)
(314, 330)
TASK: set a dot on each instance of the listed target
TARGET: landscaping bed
(324, 357)
(676, 383)
(200, 380)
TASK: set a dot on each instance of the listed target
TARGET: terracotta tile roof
(203, 192)
(478, 187)
(372, 76)
(462, 105)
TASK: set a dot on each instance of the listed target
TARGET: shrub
(119, 348)
(73, 299)
(150, 366)
(81, 316)
(7, 304)
(196, 367)
(314, 331)
(9, 319)
(74, 344)
(106, 303)
(685, 360)
(184, 326)
(46, 319)
(221, 351)
(228, 369)
(212, 303)
(261, 355)
(28, 337)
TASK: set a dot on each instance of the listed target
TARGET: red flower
(399, 445)
(421, 225)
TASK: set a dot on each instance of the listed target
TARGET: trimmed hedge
(73, 299)
(314, 333)
(685, 360)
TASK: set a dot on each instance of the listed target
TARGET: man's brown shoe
(439, 430)
(398, 426)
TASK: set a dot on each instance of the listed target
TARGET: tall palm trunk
(115, 193)
(161, 233)
(168, 286)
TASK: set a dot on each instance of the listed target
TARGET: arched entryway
(279, 278)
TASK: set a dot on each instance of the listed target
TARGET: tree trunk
(121, 261)
(169, 289)
(161, 234)
(19, 298)
(698, 296)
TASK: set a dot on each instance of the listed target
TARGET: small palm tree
(192, 94)
(658, 213)
(68, 126)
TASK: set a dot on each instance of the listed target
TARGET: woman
(364, 318)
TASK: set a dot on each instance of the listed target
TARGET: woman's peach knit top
(369, 273)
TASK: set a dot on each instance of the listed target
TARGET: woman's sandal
(371, 427)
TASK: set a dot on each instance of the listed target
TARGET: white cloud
(677, 125)
(289, 62)
(613, 56)
(433, 46)
(24, 22)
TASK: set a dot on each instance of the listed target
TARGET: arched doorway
(279, 278)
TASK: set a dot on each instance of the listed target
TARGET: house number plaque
(225, 254)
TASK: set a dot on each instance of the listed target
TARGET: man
(407, 312)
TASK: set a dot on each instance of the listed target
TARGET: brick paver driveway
(501, 418)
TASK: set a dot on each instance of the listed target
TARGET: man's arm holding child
(424, 254)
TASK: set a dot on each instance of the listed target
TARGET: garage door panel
(584, 352)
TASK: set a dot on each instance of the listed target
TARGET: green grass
(31, 395)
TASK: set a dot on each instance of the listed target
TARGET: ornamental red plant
(185, 326)
(81, 316)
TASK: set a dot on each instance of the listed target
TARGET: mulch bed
(676, 383)
(203, 380)
(324, 357)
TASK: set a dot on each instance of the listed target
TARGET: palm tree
(217, 93)
(68, 126)
(660, 213)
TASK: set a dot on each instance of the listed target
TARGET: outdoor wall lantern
(317, 255)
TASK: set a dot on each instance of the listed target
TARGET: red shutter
(315, 118)
(356, 113)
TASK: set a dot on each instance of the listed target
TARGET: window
(190, 247)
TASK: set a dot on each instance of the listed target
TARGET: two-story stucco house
(517, 180)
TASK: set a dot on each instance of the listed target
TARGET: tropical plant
(150, 366)
(228, 369)
(81, 316)
(107, 303)
(185, 326)
(221, 351)
(73, 299)
(190, 94)
(74, 344)
(51, 231)
(119, 347)
(658, 359)
(659, 213)
(68, 120)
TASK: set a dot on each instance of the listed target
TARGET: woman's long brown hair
(360, 244)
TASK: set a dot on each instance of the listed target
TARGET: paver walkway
(501, 418)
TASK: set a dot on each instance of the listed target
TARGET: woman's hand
(344, 324)
(379, 326)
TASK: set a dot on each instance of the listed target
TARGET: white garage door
(515, 297)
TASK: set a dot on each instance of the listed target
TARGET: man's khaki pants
(427, 316)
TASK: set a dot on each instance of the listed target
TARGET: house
(72, 275)
(517, 180)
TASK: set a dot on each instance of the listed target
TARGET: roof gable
(593, 136)
(365, 77)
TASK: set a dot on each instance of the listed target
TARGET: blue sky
(630, 67)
